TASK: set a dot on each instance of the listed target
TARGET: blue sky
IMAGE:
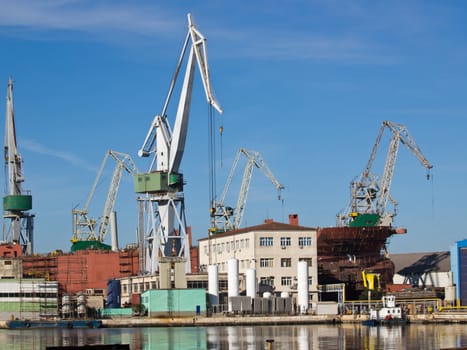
(305, 83)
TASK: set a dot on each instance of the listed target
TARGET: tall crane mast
(369, 196)
(162, 203)
(228, 218)
(84, 227)
(17, 222)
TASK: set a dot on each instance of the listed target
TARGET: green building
(174, 302)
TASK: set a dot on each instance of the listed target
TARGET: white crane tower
(17, 222)
(369, 196)
(84, 227)
(162, 205)
(228, 218)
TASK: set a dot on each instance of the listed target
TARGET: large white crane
(17, 222)
(84, 227)
(162, 206)
(228, 218)
(369, 196)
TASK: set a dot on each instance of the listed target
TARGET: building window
(304, 241)
(266, 241)
(267, 281)
(310, 280)
(286, 262)
(308, 260)
(124, 287)
(266, 262)
(286, 241)
(286, 281)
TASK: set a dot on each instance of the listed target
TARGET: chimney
(268, 221)
(293, 219)
(190, 238)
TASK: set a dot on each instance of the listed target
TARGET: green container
(365, 220)
(17, 202)
(85, 245)
(158, 182)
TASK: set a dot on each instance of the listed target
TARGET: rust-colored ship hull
(344, 252)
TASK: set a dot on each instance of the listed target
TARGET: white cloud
(68, 157)
(86, 16)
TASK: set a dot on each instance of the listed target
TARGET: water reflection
(301, 337)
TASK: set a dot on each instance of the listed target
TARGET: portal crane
(370, 197)
(84, 227)
(163, 201)
(17, 222)
(228, 218)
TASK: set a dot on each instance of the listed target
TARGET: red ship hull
(344, 252)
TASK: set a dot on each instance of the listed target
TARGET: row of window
(138, 287)
(28, 295)
(243, 264)
(240, 244)
(287, 281)
(284, 262)
(285, 241)
(143, 286)
(233, 245)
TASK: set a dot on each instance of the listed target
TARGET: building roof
(418, 263)
(267, 226)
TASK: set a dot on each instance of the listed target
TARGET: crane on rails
(228, 218)
(17, 220)
(162, 209)
(370, 196)
(85, 228)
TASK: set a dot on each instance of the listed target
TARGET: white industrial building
(272, 250)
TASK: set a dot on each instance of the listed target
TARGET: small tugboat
(389, 314)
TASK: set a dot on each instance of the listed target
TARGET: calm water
(253, 338)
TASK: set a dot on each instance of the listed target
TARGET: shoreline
(241, 320)
(270, 320)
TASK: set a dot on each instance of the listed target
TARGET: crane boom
(124, 162)
(18, 222)
(368, 194)
(227, 217)
(84, 226)
(162, 185)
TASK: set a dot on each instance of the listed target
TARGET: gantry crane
(17, 221)
(84, 227)
(369, 196)
(162, 204)
(228, 218)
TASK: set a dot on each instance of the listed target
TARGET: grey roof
(411, 263)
